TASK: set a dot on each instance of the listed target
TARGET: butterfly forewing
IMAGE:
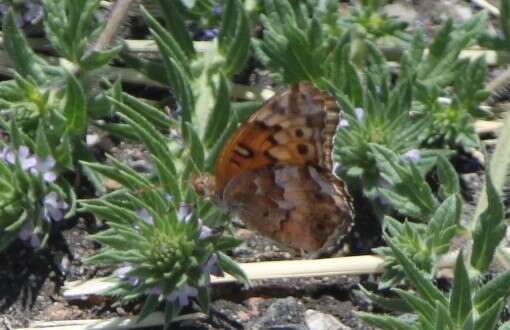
(293, 128)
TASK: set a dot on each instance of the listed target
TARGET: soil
(31, 282)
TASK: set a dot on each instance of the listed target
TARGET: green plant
(164, 239)
(414, 250)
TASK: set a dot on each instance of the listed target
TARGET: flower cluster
(48, 205)
(27, 13)
(184, 292)
(32, 163)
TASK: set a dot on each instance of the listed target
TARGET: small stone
(121, 311)
(402, 11)
(282, 314)
(316, 320)
(92, 140)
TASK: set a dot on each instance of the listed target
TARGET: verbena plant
(44, 113)
(385, 139)
(415, 248)
(164, 240)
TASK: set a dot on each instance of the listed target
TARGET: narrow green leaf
(424, 309)
(385, 322)
(17, 224)
(460, 296)
(172, 310)
(239, 46)
(448, 177)
(75, 109)
(490, 317)
(423, 285)
(26, 63)
(176, 25)
(204, 298)
(196, 147)
(166, 42)
(489, 229)
(441, 227)
(149, 306)
(228, 265)
(95, 59)
(219, 116)
(443, 320)
(497, 288)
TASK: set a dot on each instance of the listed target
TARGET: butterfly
(275, 171)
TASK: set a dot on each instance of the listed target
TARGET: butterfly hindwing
(301, 206)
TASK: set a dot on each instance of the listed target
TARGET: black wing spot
(302, 149)
(299, 132)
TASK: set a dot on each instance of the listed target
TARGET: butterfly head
(204, 184)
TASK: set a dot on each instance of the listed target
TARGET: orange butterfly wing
(293, 128)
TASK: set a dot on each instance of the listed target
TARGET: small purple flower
(3, 153)
(360, 113)
(23, 155)
(45, 167)
(343, 123)
(209, 34)
(53, 208)
(121, 273)
(155, 290)
(184, 213)
(211, 267)
(217, 10)
(205, 232)
(33, 13)
(412, 155)
(145, 216)
(27, 234)
(182, 295)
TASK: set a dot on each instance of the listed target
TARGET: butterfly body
(275, 171)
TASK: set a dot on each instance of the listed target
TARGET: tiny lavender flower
(412, 155)
(182, 294)
(3, 154)
(45, 167)
(211, 267)
(217, 10)
(209, 34)
(360, 113)
(343, 123)
(53, 208)
(27, 234)
(205, 232)
(184, 213)
(23, 155)
(145, 216)
(121, 273)
(33, 13)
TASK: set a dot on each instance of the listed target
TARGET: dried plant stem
(261, 271)
(117, 15)
(149, 46)
(356, 265)
(487, 5)
(488, 126)
(154, 319)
